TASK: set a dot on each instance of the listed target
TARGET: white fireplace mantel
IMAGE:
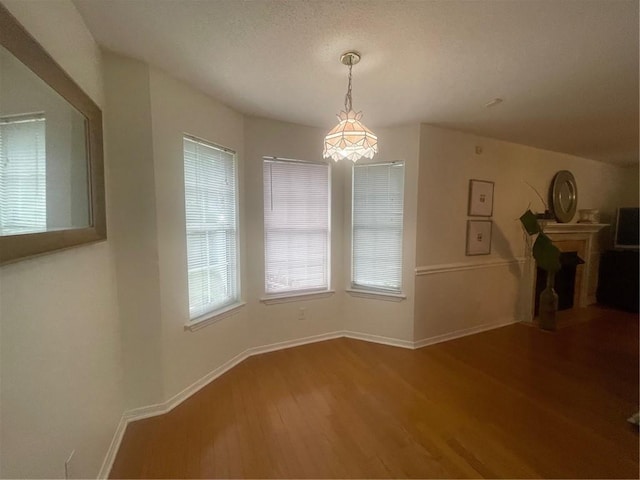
(558, 232)
(553, 227)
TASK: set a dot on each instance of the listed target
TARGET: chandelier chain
(347, 99)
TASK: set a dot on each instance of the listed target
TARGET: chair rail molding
(472, 265)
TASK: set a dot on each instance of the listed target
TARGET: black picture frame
(480, 198)
(479, 234)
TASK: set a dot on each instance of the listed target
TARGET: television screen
(627, 228)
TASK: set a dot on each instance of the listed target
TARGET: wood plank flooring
(514, 402)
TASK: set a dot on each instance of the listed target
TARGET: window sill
(296, 297)
(213, 317)
(377, 295)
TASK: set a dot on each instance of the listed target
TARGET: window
(23, 175)
(210, 184)
(296, 226)
(377, 209)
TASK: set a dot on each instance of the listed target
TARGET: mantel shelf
(553, 227)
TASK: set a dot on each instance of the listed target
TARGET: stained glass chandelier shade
(350, 139)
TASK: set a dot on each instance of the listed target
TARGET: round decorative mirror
(564, 196)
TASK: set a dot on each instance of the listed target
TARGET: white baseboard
(107, 463)
(162, 408)
(201, 383)
(461, 333)
(144, 412)
(367, 337)
(294, 343)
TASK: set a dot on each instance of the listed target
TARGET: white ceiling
(566, 69)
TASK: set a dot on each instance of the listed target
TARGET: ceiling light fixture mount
(350, 58)
(350, 138)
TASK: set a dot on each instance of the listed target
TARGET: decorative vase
(548, 304)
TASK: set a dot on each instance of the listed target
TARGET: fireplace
(580, 239)
(564, 283)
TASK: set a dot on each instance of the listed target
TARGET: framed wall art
(479, 237)
(480, 198)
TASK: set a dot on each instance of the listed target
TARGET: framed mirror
(51, 154)
(564, 196)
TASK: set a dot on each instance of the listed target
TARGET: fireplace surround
(581, 238)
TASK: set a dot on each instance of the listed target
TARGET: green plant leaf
(546, 254)
(530, 222)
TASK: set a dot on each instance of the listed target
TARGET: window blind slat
(377, 226)
(211, 221)
(296, 226)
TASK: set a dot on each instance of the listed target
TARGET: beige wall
(458, 300)
(377, 316)
(276, 323)
(60, 360)
(177, 109)
(133, 227)
(279, 322)
(629, 195)
(147, 114)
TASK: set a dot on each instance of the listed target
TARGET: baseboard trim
(144, 412)
(294, 343)
(367, 337)
(110, 457)
(199, 384)
(461, 333)
(165, 407)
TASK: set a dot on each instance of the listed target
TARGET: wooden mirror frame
(15, 38)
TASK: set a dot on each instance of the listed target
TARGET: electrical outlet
(302, 313)
(67, 465)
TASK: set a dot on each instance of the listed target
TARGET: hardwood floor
(514, 402)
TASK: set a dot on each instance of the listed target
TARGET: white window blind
(378, 192)
(296, 226)
(23, 175)
(210, 184)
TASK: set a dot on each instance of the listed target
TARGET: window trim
(229, 308)
(299, 296)
(212, 317)
(376, 294)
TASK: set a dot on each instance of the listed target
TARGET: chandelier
(350, 138)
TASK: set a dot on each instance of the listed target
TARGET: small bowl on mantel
(589, 215)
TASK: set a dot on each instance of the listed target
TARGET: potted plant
(547, 257)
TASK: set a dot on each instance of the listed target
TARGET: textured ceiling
(566, 69)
